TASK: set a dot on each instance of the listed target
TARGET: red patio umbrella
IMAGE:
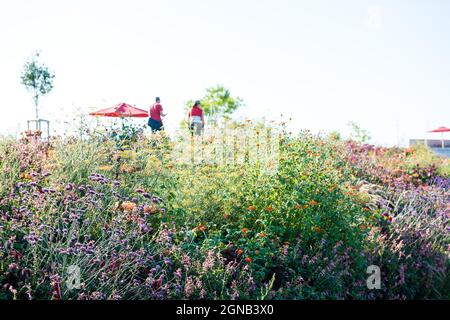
(121, 110)
(441, 130)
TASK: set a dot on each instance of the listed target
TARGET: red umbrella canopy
(441, 129)
(121, 110)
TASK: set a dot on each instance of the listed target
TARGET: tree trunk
(36, 98)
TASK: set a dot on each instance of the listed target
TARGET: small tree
(37, 78)
(218, 102)
(358, 134)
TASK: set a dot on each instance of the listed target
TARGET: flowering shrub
(139, 224)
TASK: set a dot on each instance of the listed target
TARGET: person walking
(196, 121)
(155, 115)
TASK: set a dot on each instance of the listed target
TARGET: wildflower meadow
(246, 212)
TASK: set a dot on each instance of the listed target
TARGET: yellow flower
(105, 168)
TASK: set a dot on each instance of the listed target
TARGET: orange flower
(313, 202)
(251, 208)
(248, 259)
(305, 206)
(262, 235)
(286, 243)
(239, 251)
(125, 168)
(128, 206)
(150, 209)
(318, 229)
(201, 227)
(269, 209)
(25, 176)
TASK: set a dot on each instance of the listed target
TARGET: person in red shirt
(155, 113)
(196, 121)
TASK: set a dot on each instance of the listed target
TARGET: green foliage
(9, 164)
(335, 135)
(37, 78)
(358, 134)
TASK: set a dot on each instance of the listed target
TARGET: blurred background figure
(196, 121)
(155, 115)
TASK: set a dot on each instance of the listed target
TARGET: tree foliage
(37, 78)
(358, 134)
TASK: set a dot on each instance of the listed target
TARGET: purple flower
(178, 274)
(146, 195)
(167, 261)
(32, 238)
(13, 267)
(156, 200)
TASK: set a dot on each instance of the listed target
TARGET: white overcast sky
(383, 64)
